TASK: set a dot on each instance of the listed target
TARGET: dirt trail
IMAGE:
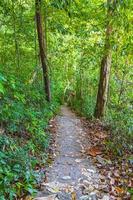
(72, 175)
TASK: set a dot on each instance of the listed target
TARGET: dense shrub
(24, 116)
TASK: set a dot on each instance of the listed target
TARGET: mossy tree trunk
(103, 86)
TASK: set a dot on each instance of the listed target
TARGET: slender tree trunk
(103, 86)
(42, 47)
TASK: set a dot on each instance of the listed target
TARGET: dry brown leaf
(94, 151)
(74, 196)
(119, 190)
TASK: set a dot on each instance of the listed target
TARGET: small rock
(84, 197)
(91, 170)
(66, 177)
(105, 197)
(78, 160)
(86, 183)
(87, 174)
(91, 196)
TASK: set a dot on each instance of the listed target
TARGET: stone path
(72, 176)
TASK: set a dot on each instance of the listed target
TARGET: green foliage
(77, 52)
(75, 37)
(17, 166)
(24, 117)
(24, 113)
(16, 169)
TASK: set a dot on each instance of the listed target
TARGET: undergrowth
(24, 116)
(120, 124)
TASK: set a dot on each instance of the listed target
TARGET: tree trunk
(42, 47)
(103, 86)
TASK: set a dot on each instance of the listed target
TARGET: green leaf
(2, 88)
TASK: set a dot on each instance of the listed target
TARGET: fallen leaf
(29, 198)
(119, 190)
(74, 196)
(94, 151)
(116, 173)
(112, 181)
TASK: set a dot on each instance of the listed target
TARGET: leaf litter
(116, 171)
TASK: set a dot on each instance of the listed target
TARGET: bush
(24, 116)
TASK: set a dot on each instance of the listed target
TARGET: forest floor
(79, 171)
